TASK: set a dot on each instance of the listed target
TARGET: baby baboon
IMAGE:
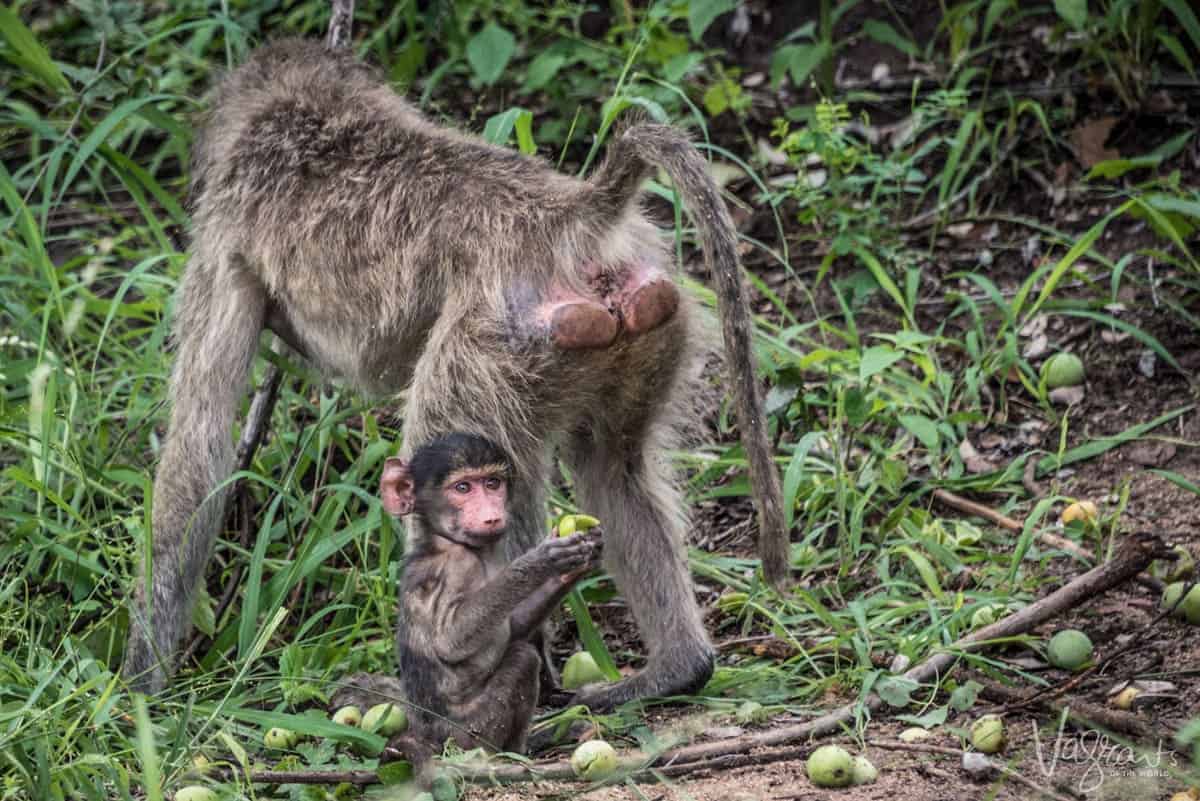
(467, 667)
(510, 300)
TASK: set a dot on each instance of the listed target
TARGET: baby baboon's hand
(571, 554)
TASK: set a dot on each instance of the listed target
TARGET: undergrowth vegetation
(883, 355)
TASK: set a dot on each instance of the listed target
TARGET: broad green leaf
(489, 52)
(934, 717)
(876, 359)
(1073, 12)
(964, 695)
(896, 691)
(924, 568)
(500, 126)
(884, 33)
(921, 427)
(701, 14)
(542, 70)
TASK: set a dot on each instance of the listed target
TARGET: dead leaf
(1152, 454)
(974, 461)
(1065, 396)
(1088, 140)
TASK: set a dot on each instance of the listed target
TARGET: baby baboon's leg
(622, 476)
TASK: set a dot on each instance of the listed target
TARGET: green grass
(871, 394)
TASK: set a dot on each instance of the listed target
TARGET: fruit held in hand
(195, 792)
(280, 738)
(1070, 649)
(1083, 511)
(987, 734)
(579, 670)
(385, 719)
(1063, 370)
(830, 766)
(595, 759)
(864, 772)
(569, 524)
(348, 716)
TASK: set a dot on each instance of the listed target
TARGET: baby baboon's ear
(396, 487)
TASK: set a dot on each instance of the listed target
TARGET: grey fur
(396, 253)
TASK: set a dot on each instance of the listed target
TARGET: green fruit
(750, 712)
(1177, 570)
(593, 760)
(581, 669)
(569, 524)
(863, 772)
(348, 716)
(987, 734)
(830, 766)
(385, 719)
(423, 797)
(1063, 370)
(1191, 606)
(195, 792)
(1070, 649)
(280, 738)
(987, 615)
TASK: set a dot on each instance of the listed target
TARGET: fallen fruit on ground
(1083, 511)
(594, 760)
(278, 737)
(986, 615)
(1189, 608)
(348, 716)
(579, 670)
(987, 734)
(1125, 698)
(1069, 649)
(915, 734)
(830, 766)
(385, 719)
(195, 792)
(863, 772)
(1063, 370)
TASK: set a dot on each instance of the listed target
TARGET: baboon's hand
(570, 555)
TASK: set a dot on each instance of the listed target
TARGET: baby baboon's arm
(472, 616)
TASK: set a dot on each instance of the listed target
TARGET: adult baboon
(512, 301)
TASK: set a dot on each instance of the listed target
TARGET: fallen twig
(1047, 538)
(1078, 711)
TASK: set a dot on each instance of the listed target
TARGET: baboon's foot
(580, 324)
(646, 300)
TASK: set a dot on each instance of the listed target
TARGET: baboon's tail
(341, 24)
(219, 315)
(614, 185)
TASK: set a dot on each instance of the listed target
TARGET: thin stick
(1047, 538)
